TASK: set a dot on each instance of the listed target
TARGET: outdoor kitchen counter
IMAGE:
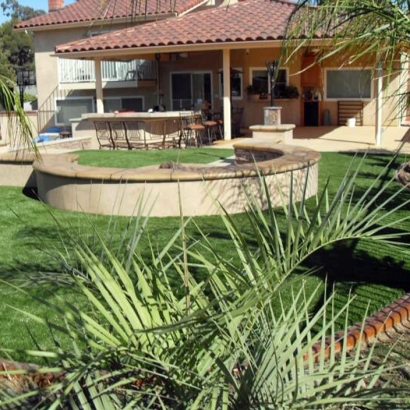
(164, 123)
(134, 116)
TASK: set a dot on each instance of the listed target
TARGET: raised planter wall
(16, 169)
(277, 134)
(66, 185)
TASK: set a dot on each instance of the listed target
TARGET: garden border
(171, 189)
(387, 318)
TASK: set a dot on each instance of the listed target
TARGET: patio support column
(98, 86)
(379, 102)
(227, 93)
(404, 87)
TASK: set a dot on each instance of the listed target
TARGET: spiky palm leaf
(141, 344)
(19, 127)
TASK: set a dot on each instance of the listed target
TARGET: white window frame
(120, 97)
(221, 89)
(327, 69)
(71, 98)
(171, 97)
(252, 69)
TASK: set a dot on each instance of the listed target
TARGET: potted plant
(253, 93)
(290, 91)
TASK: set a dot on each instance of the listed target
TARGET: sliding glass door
(189, 89)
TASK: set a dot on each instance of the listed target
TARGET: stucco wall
(244, 60)
(292, 112)
(10, 129)
(286, 169)
(391, 86)
(47, 74)
(210, 61)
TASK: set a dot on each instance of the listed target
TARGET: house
(211, 53)
(66, 88)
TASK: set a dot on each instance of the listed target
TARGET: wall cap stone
(291, 158)
(273, 128)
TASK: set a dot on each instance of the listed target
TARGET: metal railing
(80, 71)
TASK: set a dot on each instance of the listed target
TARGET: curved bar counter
(172, 188)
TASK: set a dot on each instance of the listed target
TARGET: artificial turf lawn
(31, 240)
(133, 159)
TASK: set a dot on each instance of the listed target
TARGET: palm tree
(364, 28)
(19, 125)
(219, 342)
(154, 335)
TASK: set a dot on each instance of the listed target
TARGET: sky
(34, 4)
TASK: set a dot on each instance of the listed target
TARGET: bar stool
(135, 133)
(190, 130)
(119, 135)
(211, 127)
(218, 118)
(103, 132)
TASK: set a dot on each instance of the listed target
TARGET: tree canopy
(14, 10)
(381, 28)
(16, 48)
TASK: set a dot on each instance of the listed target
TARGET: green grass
(375, 274)
(133, 159)
(30, 240)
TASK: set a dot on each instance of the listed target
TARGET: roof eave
(90, 23)
(135, 51)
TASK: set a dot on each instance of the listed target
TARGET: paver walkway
(335, 139)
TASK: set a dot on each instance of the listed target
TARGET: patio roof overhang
(148, 52)
(127, 53)
(218, 29)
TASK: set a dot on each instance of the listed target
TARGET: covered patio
(192, 43)
(205, 47)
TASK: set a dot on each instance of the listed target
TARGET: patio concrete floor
(332, 138)
(324, 138)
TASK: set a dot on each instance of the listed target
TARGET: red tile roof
(249, 20)
(93, 10)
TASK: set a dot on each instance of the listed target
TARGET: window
(236, 83)
(112, 104)
(72, 107)
(189, 88)
(348, 84)
(261, 81)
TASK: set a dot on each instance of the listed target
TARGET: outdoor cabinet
(311, 113)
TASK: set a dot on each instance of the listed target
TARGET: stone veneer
(272, 115)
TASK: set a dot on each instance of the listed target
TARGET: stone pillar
(272, 115)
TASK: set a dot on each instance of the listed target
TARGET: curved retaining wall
(16, 169)
(166, 190)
